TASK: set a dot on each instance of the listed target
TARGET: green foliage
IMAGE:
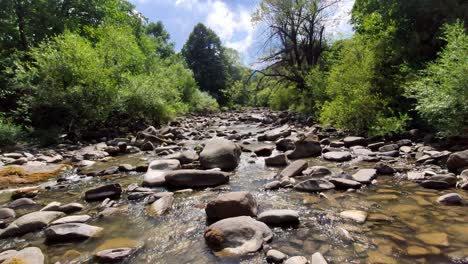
(205, 56)
(441, 90)
(389, 126)
(10, 133)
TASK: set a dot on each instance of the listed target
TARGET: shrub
(441, 90)
(10, 134)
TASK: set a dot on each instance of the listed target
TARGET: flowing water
(405, 223)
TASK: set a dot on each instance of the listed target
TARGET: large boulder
(231, 204)
(220, 153)
(71, 231)
(155, 175)
(112, 191)
(196, 178)
(306, 148)
(237, 235)
(314, 185)
(458, 161)
(29, 255)
(29, 223)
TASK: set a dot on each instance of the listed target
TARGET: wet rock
(275, 256)
(450, 179)
(21, 203)
(71, 231)
(384, 169)
(414, 175)
(278, 160)
(279, 217)
(296, 260)
(355, 215)
(161, 206)
(237, 235)
(337, 144)
(354, 141)
(317, 258)
(29, 223)
(275, 134)
(155, 175)
(126, 167)
(6, 213)
(293, 169)
(393, 153)
(365, 175)
(273, 185)
(405, 149)
(345, 184)
(196, 178)
(72, 219)
(458, 161)
(313, 185)
(305, 148)
(264, 151)
(112, 191)
(114, 255)
(338, 156)
(390, 147)
(437, 185)
(376, 146)
(185, 157)
(71, 208)
(434, 239)
(29, 255)
(52, 206)
(450, 199)
(285, 144)
(147, 146)
(317, 171)
(220, 153)
(231, 205)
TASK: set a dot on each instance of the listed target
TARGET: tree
(205, 56)
(162, 37)
(295, 36)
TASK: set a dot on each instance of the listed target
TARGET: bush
(203, 103)
(441, 90)
(10, 134)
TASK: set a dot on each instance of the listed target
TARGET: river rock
(285, 144)
(390, 147)
(279, 217)
(437, 185)
(161, 206)
(314, 185)
(264, 151)
(196, 178)
(71, 208)
(275, 256)
(29, 255)
(278, 160)
(185, 157)
(434, 239)
(354, 141)
(6, 213)
(21, 202)
(71, 231)
(305, 148)
(237, 235)
(29, 223)
(355, 215)
(72, 219)
(450, 199)
(317, 171)
(338, 156)
(155, 175)
(458, 161)
(276, 133)
(345, 184)
(273, 185)
(293, 169)
(365, 175)
(112, 191)
(231, 204)
(296, 260)
(114, 255)
(52, 206)
(220, 153)
(317, 258)
(384, 169)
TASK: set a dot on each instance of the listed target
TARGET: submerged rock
(314, 185)
(161, 206)
(355, 215)
(220, 153)
(29, 223)
(231, 205)
(114, 255)
(237, 236)
(71, 231)
(112, 191)
(196, 178)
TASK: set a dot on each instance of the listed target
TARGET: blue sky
(230, 19)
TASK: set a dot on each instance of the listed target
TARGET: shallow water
(417, 220)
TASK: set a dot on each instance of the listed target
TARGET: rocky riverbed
(236, 187)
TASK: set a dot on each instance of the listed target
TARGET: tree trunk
(20, 14)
